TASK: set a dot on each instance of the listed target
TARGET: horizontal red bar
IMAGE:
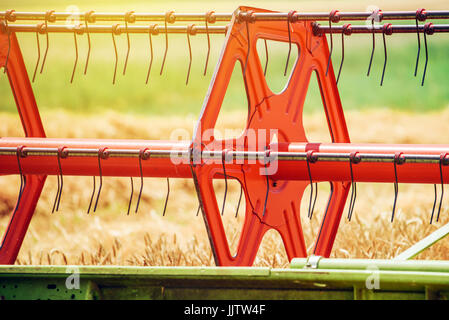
(322, 170)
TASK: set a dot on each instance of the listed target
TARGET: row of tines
(209, 23)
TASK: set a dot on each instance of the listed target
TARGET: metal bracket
(312, 262)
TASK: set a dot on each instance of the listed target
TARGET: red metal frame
(32, 125)
(279, 208)
(267, 110)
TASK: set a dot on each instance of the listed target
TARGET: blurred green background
(168, 94)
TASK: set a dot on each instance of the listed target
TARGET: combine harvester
(272, 161)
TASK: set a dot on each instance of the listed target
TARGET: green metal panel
(331, 279)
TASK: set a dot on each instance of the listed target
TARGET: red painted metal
(322, 170)
(272, 202)
(32, 125)
(267, 110)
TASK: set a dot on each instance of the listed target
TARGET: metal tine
(333, 17)
(248, 50)
(115, 30)
(223, 160)
(428, 29)
(373, 47)
(198, 210)
(419, 47)
(169, 18)
(9, 46)
(40, 26)
(60, 182)
(190, 31)
(240, 199)
(101, 154)
(209, 18)
(20, 154)
(266, 161)
(443, 162)
(311, 159)
(290, 18)
(434, 203)
(61, 155)
(353, 159)
(9, 16)
(421, 16)
(131, 196)
(398, 160)
(75, 30)
(249, 18)
(88, 17)
(91, 197)
(49, 17)
(166, 198)
(129, 17)
(144, 154)
(386, 29)
(346, 30)
(266, 56)
(151, 31)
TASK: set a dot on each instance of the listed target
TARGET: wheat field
(111, 237)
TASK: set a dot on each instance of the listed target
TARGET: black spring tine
(5, 68)
(386, 29)
(223, 159)
(266, 161)
(88, 17)
(91, 197)
(434, 203)
(240, 199)
(166, 198)
(131, 196)
(398, 160)
(19, 154)
(289, 19)
(311, 159)
(333, 17)
(209, 18)
(38, 52)
(419, 47)
(249, 44)
(114, 30)
(60, 184)
(421, 15)
(352, 191)
(443, 161)
(190, 31)
(346, 30)
(168, 17)
(61, 154)
(395, 192)
(266, 56)
(428, 29)
(48, 17)
(129, 17)
(143, 154)
(152, 30)
(9, 15)
(101, 153)
(76, 55)
(57, 193)
(198, 210)
(353, 159)
(373, 47)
